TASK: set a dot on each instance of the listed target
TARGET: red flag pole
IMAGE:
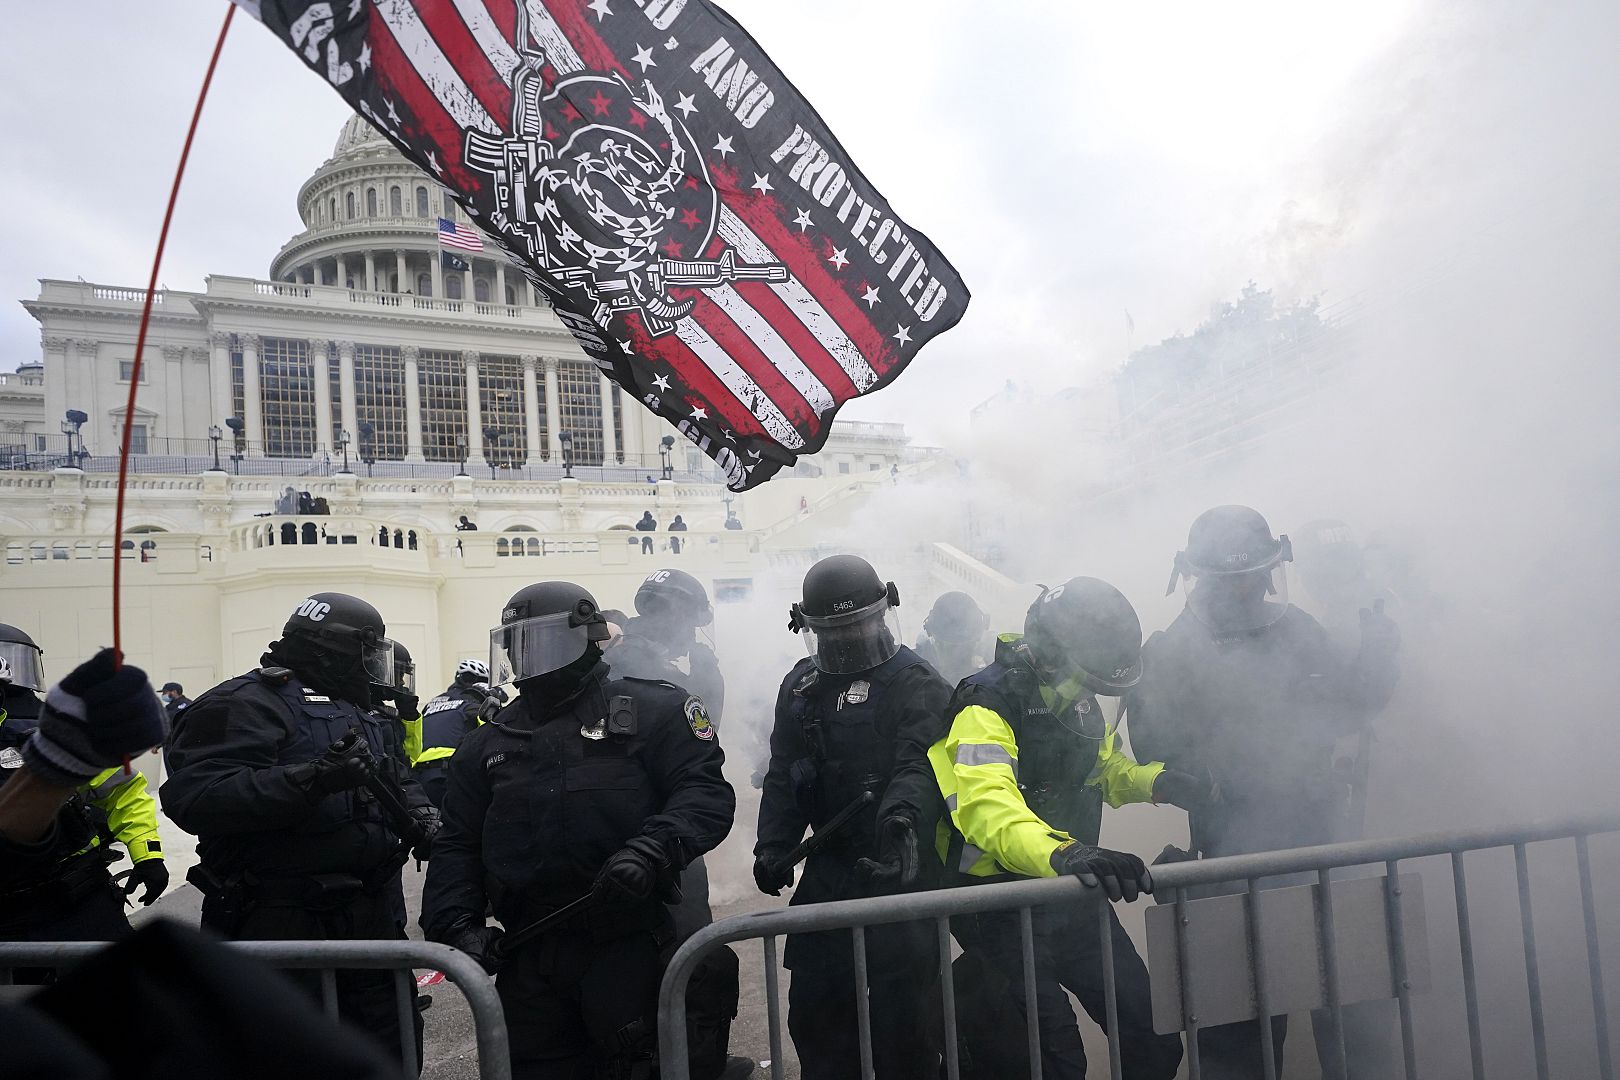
(140, 341)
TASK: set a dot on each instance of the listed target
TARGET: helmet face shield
(853, 641)
(531, 647)
(377, 657)
(405, 679)
(1235, 603)
(27, 664)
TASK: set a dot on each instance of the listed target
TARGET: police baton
(518, 938)
(387, 796)
(823, 836)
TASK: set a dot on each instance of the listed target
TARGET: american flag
(453, 234)
(707, 240)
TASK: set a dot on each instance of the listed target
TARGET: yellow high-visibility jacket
(991, 828)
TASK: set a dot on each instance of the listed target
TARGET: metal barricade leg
(863, 1004)
(1262, 990)
(773, 1007)
(405, 1000)
(1330, 967)
(1398, 972)
(1594, 960)
(1026, 935)
(329, 1000)
(1532, 968)
(1465, 948)
(947, 995)
(1105, 927)
(1189, 1019)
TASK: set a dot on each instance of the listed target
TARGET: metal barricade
(1249, 878)
(329, 957)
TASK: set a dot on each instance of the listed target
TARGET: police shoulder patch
(697, 717)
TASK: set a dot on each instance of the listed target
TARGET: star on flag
(661, 382)
(839, 258)
(722, 146)
(685, 106)
(644, 57)
(871, 297)
(601, 8)
(903, 335)
(802, 220)
(762, 184)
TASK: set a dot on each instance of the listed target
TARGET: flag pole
(140, 345)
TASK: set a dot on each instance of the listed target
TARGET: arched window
(452, 287)
(371, 202)
(410, 538)
(511, 295)
(348, 205)
(449, 210)
(289, 533)
(534, 546)
(424, 284)
(481, 290)
(331, 209)
(310, 535)
(399, 538)
(396, 206)
(503, 548)
(421, 202)
(382, 536)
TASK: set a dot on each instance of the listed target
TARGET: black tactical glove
(409, 706)
(770, 875)
(149, 872)
(1118, 873)
(428, 818)
(896, 863)
(345, 766)
(1183, 789)
(95, 718)
(476, 940)
(631, 873)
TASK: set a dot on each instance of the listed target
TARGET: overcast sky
(1073, 161)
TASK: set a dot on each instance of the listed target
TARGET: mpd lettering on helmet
(313, 610)
(1053, 594)
(658, 577)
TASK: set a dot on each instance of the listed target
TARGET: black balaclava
(338, 674)
(550, 693)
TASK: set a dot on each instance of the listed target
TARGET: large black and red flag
(691, 218)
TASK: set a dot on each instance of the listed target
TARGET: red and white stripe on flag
(740, 278)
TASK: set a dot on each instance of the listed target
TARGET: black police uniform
(446, 720)
(835, 737)
(537, 801)
(1054, 761)
(276, 862)
(58, 889)
(641, 654)
(1259, 713)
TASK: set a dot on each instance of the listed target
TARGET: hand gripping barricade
(1253, 947)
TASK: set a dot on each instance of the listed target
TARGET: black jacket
(229, 783)
(1259, 714)
(641, 655)
(538, 798)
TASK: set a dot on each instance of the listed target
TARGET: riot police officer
(64, 892)
(445, 721)
(275, 772)
(586, 785)
(661, 642)
(1247, 689)
(954, 637)
(848, 718)
(1025, 770)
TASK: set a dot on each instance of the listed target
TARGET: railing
(1248, 990)
(330, 957)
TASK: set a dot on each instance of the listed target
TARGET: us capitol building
(365, 379)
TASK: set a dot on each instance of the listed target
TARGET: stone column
(553, 411)
(252, 396)
(475, 412)
(351, 418)
(413, 406)
(500, 280)
(632, 429)
(437, 271)
(610, 438)
(343, 271)
(172, 424)
(321, 362)
(371, 273)
(531, 409)
(404, 281)
(219, 376)
(54, 352)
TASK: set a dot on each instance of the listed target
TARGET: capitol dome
(371, 224)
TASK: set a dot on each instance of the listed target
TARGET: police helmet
(404, 669)
(1086, 627)
(23, 657)
(675, 594)
(544, 627)
(847, 615)
(348, 626)
(471, 673)
(1234, 569)
(956, 616)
